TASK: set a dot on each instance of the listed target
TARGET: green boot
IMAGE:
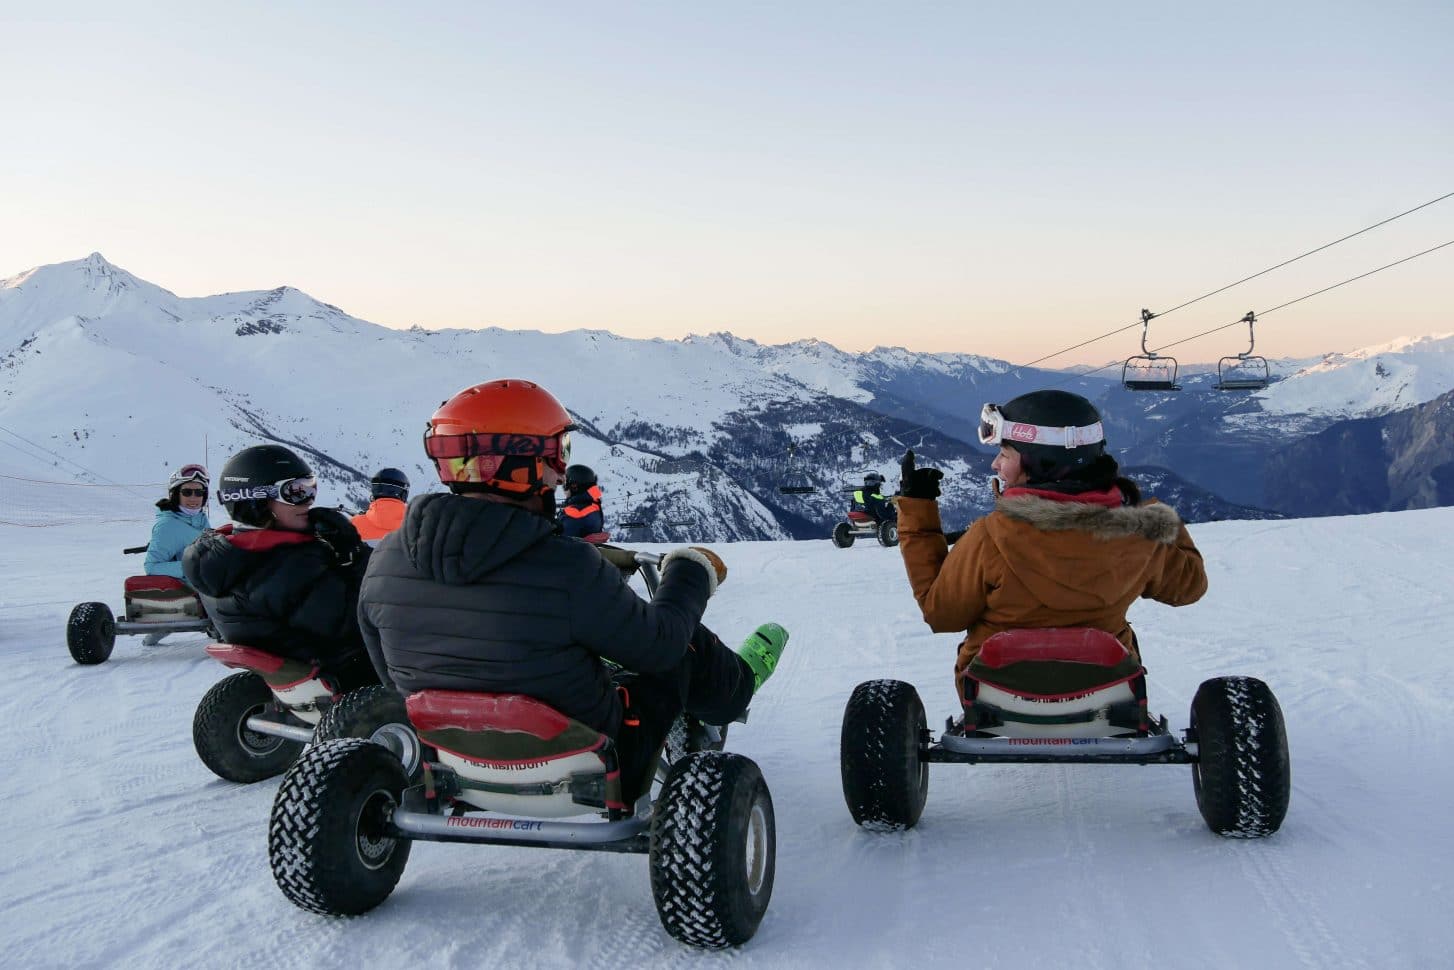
(761, 651)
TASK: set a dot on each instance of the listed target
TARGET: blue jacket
(170, 534)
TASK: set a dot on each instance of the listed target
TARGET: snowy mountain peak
(93, 288)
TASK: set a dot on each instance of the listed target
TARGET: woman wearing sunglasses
(284, 577)
(181, 517)
(1069, 543)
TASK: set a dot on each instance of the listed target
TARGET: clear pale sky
(1004, 179)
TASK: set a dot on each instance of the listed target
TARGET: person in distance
(389, 490)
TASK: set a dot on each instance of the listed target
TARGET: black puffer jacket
(477, 595)
(283, 592)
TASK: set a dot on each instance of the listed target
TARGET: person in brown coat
(1069, 543)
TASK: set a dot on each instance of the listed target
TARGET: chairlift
(801, 487)
(1148, 370)
(1247, 371)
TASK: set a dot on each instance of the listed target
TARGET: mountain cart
(1070, 695)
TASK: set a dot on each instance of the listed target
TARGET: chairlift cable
(1223, 289)
(1260, 314)
(792, 449)
(1351, 279)
(63, 458)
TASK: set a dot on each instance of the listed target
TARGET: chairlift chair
(1148, 370)
(795, 488)
(1246, 371)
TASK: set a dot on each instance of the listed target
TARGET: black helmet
(1057, 433)
(873, 479)
(579, 477)
(254, 475)
(389, 483)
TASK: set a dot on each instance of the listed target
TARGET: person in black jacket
(479, 591)
(285, 577)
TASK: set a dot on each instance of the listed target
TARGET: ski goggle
(995, 428)
(189, 473)
(290, 491)
(483, 457)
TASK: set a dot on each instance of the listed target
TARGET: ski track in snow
(127, 852)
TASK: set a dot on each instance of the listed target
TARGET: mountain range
(107, 378)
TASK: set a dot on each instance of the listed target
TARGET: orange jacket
(1036, 562)
(383, 516)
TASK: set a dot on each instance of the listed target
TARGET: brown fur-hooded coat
(1035, 562)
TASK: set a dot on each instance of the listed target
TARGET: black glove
(334, 529)
(918, 482)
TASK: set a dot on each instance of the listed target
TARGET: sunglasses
(193, 492)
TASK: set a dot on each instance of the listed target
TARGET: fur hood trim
(1155, 521)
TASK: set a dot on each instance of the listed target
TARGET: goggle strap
(996, 429)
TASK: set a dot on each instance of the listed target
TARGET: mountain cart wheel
(375, 713)
(842, 535)
(221, 736)
(888, 533)
(713, 850)
(884, 781)
(330, 842)
(91, 633)
(1243, 774)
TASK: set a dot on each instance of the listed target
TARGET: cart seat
(1060, 682)
(518, 755)
(136, 584)
(297, 684)
(1082, 645)
(860, 518)
(160, 598)
(597, 538)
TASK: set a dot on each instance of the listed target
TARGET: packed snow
(126, 851)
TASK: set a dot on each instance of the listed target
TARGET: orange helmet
(508, 436)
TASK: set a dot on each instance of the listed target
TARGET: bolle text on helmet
(244, 494)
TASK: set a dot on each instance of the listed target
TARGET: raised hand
(918, 482)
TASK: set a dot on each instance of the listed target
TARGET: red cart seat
(1082, 645)
(155, 599)
(295, 683)
(860, 517)
(1058, 682)
(509, 750)
(136, 584)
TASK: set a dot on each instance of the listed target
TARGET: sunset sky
(1003, 179)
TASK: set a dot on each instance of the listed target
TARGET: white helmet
(187, 473)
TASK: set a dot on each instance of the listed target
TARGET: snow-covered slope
(1375, 380)
(110, 378)
(120, 381)
(126, 852)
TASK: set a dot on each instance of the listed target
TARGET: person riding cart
(581, 515)
(479, 591)
(869, 499)
(284, 578)
(389, 492)
(1049, 670)
(1069, 543)
(181, 517)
